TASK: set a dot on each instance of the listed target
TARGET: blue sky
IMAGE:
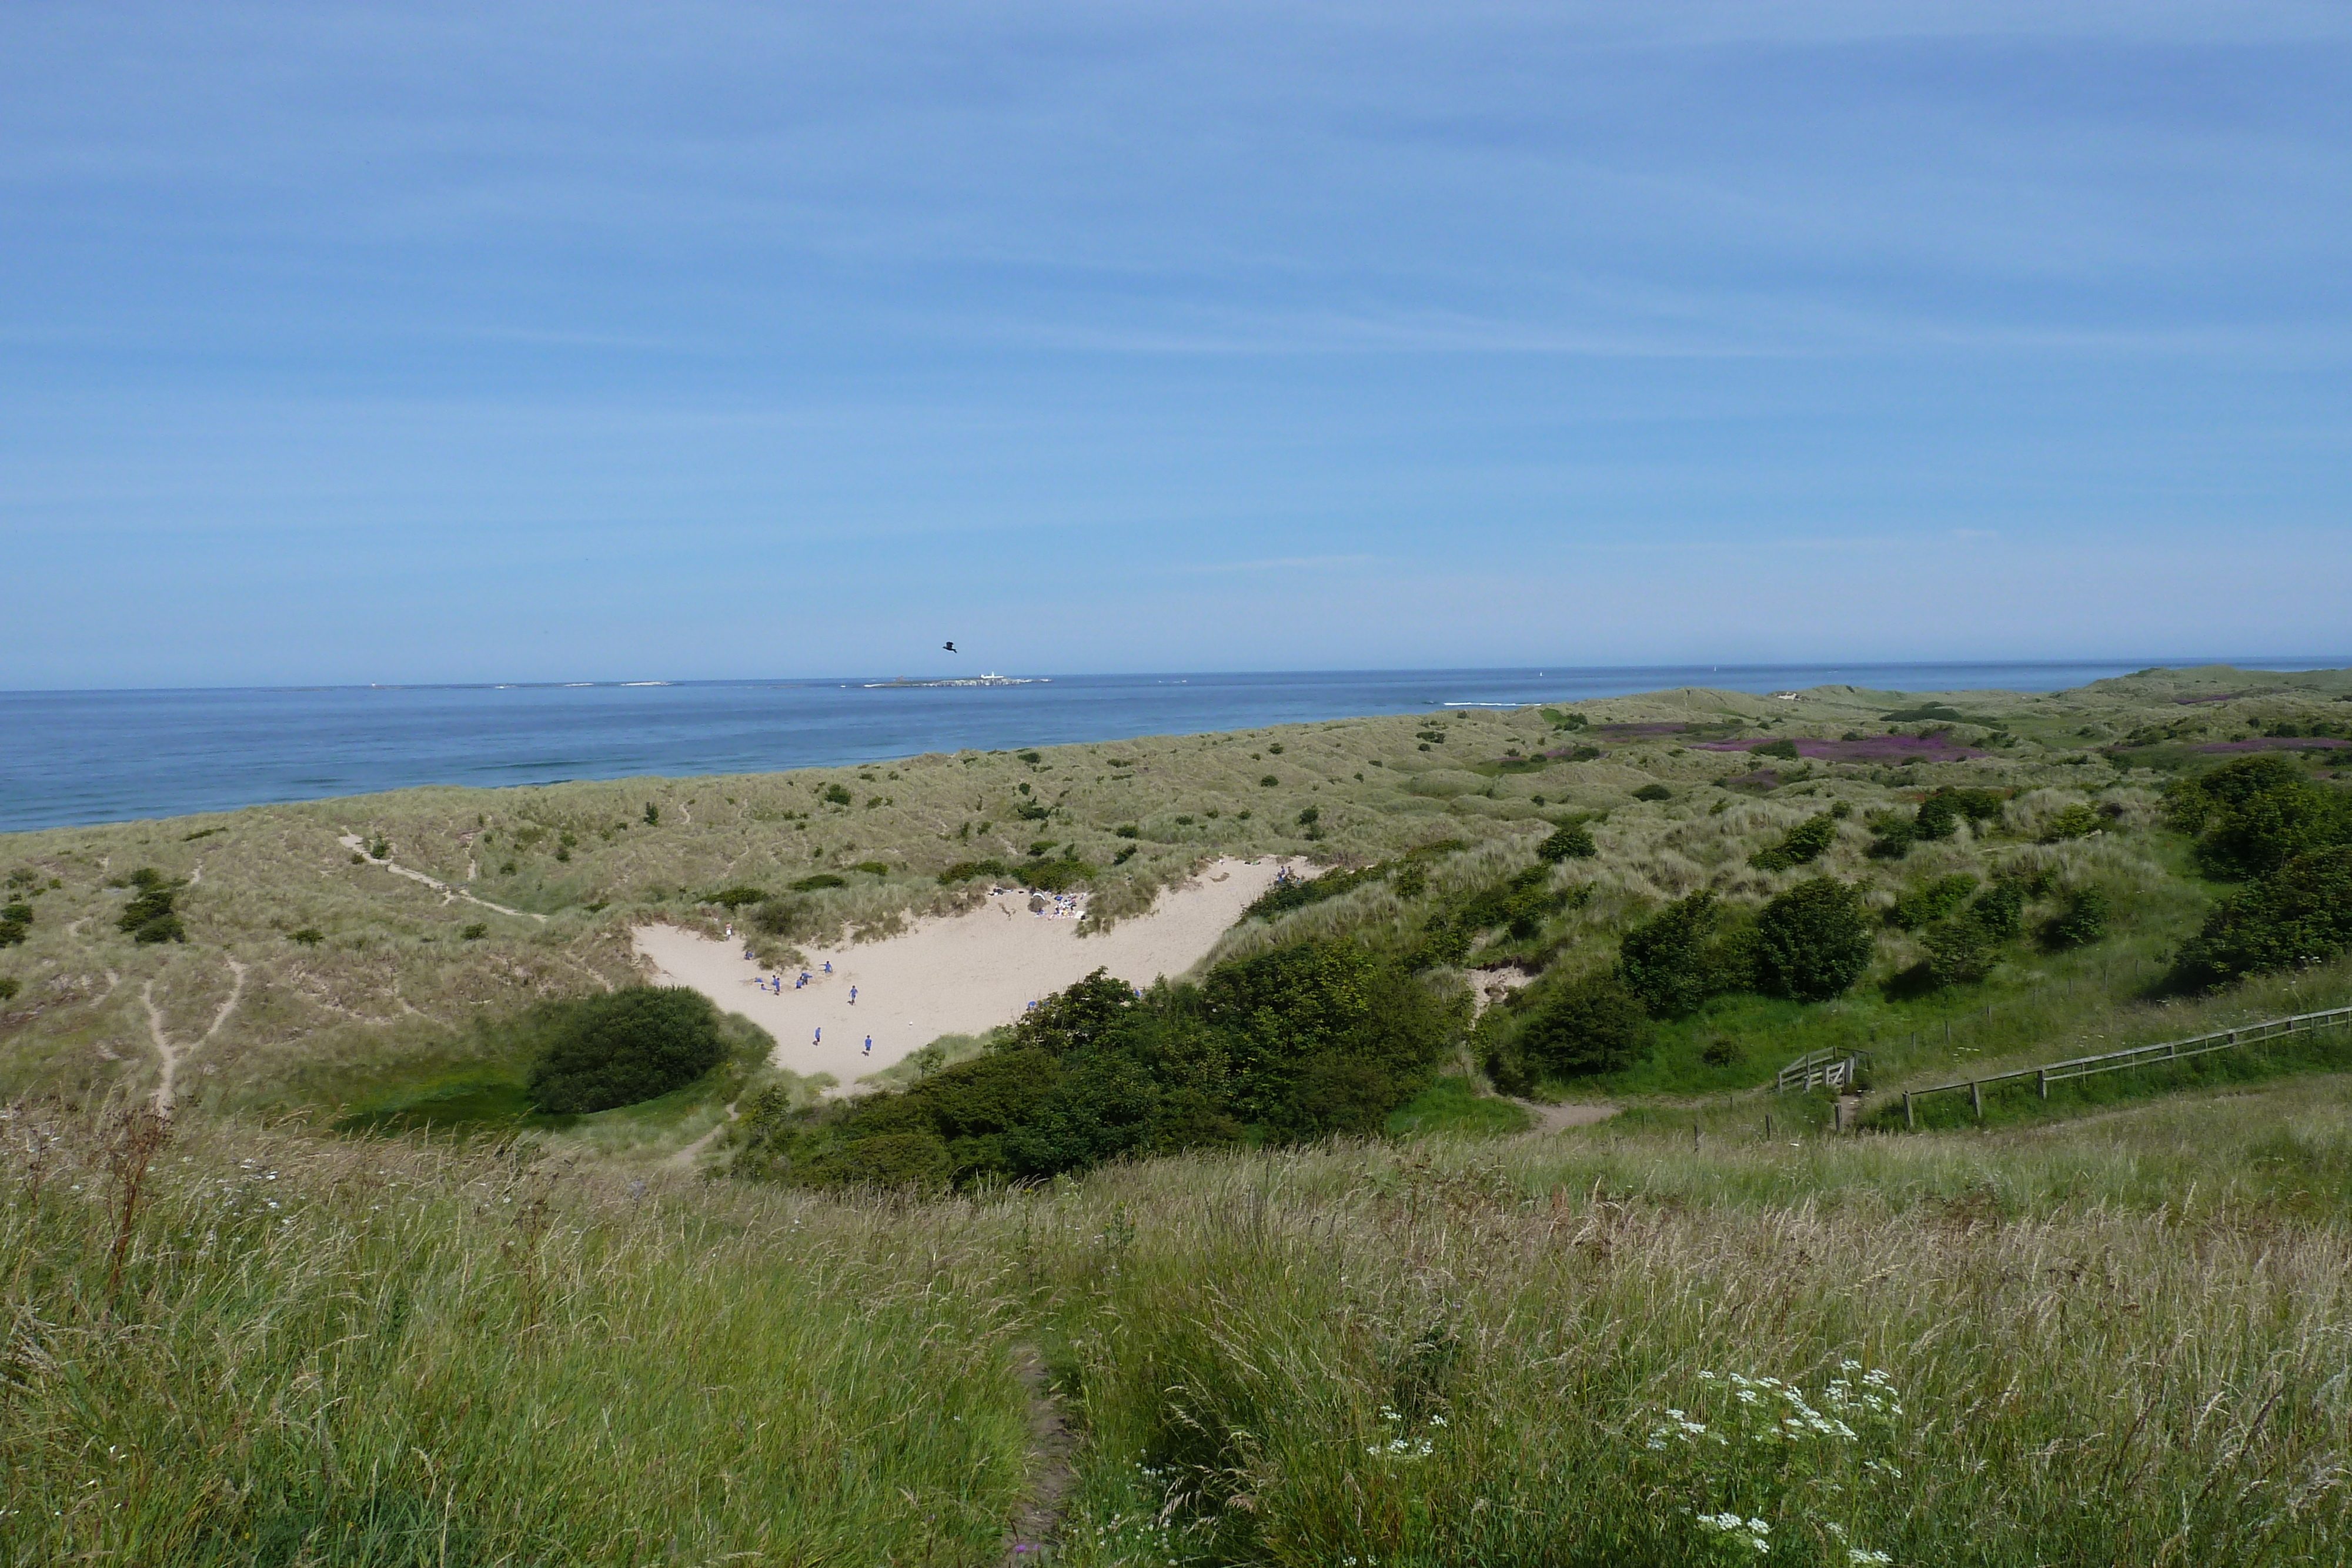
(511, 342)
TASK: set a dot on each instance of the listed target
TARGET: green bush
(1931, 902)
(967, 870)
(2253, 815)
(1960, 951)
(1663, 960)
(653, 815)
(475, 932)
(1594, 1025)
(1573, 840)
(872, 868)
(1801, 844)
(837, 795)
(737, 896)
(1299, 1043)
(2076, 821)
(777, 916)
(1269, 781)
(2301, 914)
(307, 937)
(9, 986)
(1813, 942)
(819, 881)
(16, 924)
(1942, 813)
(2080, 921)
(634, 1044)
(1786, 750)
(1654, 792)
(2001, 908)
(149, 918)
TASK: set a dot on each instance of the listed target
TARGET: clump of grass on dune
(364, 1352)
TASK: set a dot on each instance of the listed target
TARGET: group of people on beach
(774, 985)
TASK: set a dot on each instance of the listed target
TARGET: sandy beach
(958, 974)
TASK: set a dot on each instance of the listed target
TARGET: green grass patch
(1452, 1106)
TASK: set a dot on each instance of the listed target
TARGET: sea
(77, 757)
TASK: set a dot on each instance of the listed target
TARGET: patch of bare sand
(958, 974)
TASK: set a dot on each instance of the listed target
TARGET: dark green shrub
(737, 896)
(872, 868)
(631, 1045)
(1310, 816)
(1942, 813)
(2300, 914)
(2080, 922)
(1894, 835)
(1723, 1050)
(149, 918)
(2001, 908)
(1801, 844)
(1784, 749)
(1127, 830)
(837, 795)
(475, 932)
(1519, 904)
(1814, 941)
(1033, 758)
(308, 936)
(1269, 781)
(1960, 952)
(1931, 902)
(1663, 961)
(819, 881)
(1033, 812)
(16, 924)
(1654, 792)
(966, 871)
(777, 916)
(2253, 815)
(2076, 821)
(890, 1160)
(1573, 840)
(9, 986)
(653, 815)
(1593, 1025)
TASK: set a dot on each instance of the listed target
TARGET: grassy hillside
(2118, 1342)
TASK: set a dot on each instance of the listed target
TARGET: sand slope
(957, 975)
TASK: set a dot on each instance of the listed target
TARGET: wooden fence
(1831, 1070)
(2164, 1052)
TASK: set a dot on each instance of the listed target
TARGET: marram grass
(2125, 1340)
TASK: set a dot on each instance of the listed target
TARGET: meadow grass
(2121, 1343)
(363, 1352)
(2119, 1339)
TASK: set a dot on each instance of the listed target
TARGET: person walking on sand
(820, 1035)
(852, 996)
(869, 1045)
(828, 965)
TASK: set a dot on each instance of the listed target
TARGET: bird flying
(951, 647)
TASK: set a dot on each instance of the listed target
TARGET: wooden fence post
(1976, 1097)
(2042, 1081)
(1909, 1121)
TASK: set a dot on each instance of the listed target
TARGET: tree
(635, 1044)
(1800, 844)
(1814, 941)
(1571, 841)
(1663, 960)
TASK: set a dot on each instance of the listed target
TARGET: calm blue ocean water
(97, 757)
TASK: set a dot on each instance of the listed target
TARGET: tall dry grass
(328, 1351)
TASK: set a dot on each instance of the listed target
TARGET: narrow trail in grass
(353, 843)
(173, 1055)
(683, 1159)
(1051, 1473)
(1560, 1118)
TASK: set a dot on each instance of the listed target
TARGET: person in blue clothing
(828, 965)
(820, 1034)
(852, 996)
(869, 1045)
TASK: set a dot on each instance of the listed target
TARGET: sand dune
(955, 975)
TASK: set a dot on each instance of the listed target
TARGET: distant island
(991, 679)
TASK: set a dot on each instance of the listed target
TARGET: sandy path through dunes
(958, 974)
